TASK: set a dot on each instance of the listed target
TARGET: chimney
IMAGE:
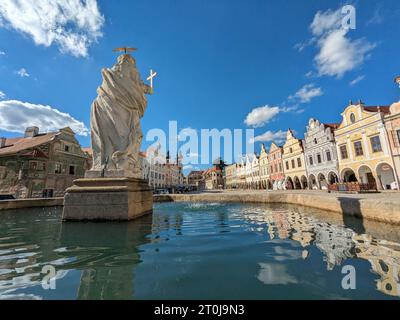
(2, 142)
(31, 132)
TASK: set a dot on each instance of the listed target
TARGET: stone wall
(381, 209)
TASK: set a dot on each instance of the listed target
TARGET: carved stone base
(107, 199)
(91, 174)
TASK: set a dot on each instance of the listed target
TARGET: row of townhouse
(161, 172)
(363, 151)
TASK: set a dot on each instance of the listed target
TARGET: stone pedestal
(107, 199)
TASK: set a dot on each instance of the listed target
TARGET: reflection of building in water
(384, 260)
(335, 242)
(302, 228)
(108, 254)
(281, 224)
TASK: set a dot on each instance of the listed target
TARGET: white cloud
(377, 17)
(307, 93)
(15, 116)
(356, 80)
(337, 52)
(269, 136)
(309, 74)
(23, 73)
(2, 53)
(73, 25)
(302, 45)
(2, 95)
(326, 21)
(261, 115)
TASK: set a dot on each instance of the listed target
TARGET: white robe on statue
(115, 118)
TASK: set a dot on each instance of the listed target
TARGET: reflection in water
(273, 273)
(105, 252)
(108, 252)
(337, 243)
(22, 248)
(198, 250)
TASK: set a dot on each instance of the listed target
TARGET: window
(57, 168)
(315, 141)
(33, 165)
(358, 148)
(66, 148)
(299, 162)
(398, 135)
(328, 156)
(287, 165)
(311, 161)
(72, 170)
(291, 150)
(38, 166)
(280, 167)
(343, 152)
(352, 118)
(319, 160)
(272, 169)
(293, 164)
(376, 144)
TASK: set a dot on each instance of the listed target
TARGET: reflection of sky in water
(273, 273)
(199, 251)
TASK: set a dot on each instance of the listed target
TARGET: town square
(199, 151)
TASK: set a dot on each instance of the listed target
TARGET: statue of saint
(115, 119)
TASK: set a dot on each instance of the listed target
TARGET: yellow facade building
(392, 124)
(363, 147)
(293, 163)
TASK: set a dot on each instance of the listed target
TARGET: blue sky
(216, 61)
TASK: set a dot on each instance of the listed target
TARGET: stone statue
(115, 120)
(113, 190)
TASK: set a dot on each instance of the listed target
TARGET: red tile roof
(88, 150)
(384, 109)
(17, 145)
(332, 125)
